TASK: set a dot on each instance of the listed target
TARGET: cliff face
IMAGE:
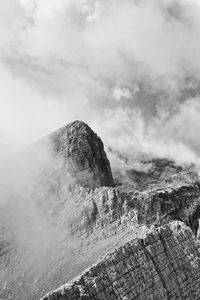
(116, 207)
(163, 265)
(83, 154)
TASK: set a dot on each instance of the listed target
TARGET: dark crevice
(148, 255)
(171, 264)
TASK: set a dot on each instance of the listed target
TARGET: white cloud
(119, 93)
(65, 59)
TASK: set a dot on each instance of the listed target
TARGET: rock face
(83, 154)
(163, 265)
(108, 205)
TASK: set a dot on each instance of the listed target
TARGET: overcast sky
(131, 69)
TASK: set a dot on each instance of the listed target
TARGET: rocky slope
(75, 215)
(163, 265)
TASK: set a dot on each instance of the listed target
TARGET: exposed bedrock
(83, 154)
(174, 193)
(118, 207)
(163, 265)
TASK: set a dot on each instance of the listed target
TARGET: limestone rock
(83, 154)
(164, 265)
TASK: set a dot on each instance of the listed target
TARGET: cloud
(69, 60)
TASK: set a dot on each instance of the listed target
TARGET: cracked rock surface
(165, 264)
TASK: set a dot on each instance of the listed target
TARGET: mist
(24, 220)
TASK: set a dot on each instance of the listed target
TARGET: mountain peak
(83, 154)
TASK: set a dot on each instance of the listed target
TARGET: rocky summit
(130, 235)
(83, 154)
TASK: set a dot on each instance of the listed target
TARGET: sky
(130, 69)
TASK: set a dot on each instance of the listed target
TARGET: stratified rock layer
(83, 154)
(115, 207)
(163, 265)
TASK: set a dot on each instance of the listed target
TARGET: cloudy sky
(130, 69)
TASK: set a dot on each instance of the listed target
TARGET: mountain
(126, 236)
(83, 154)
